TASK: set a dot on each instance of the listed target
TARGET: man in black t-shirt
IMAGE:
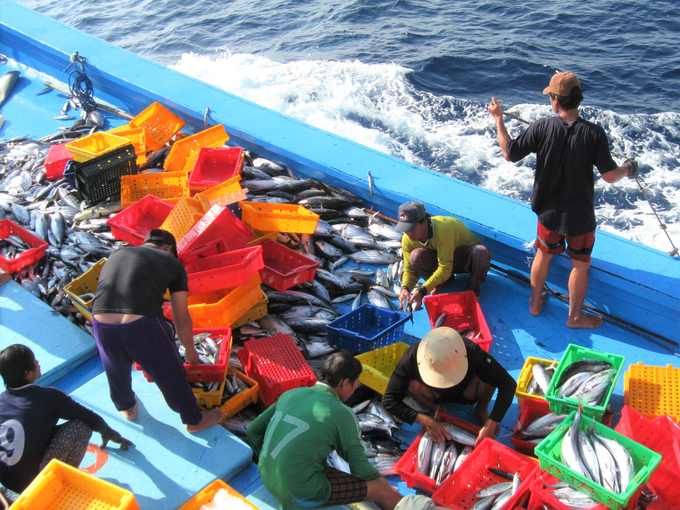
(566, 148)
(29, 435)
(445, 368)
(128, 324)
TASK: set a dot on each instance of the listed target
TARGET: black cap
(158, 236)
(410, 214)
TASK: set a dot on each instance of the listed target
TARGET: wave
(395, 110)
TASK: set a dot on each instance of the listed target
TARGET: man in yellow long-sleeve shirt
(437, 248)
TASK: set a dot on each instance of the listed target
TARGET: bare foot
(535, 308)
(585, 321)
(209, 419)
(130, 414)
(482, 414)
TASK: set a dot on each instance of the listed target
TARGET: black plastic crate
(99, 178)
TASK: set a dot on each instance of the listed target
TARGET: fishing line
(662, 225)
(81, 87)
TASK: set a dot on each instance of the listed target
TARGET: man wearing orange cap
(566, 147)
(445, 368)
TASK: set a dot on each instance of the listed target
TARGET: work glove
(632, 168)
(112, 435)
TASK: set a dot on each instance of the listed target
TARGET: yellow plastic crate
(82, 289)
(63, 487)
(160, 124)
(379, 365)
(243, 398)
(259, 236)
(185, 151)
(278, 217)
(184, 215)
(136, 136)
(526, 376)
(222, 308)
(207, 495)
(256, 312)
(209, 399)
(225, 193)
(168, 186)
(652, 391)
(94, 145)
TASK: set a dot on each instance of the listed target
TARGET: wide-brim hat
(442, 358)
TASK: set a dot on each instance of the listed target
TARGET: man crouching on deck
(294, 436)
(445, 368)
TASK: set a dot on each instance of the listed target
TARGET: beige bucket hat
(442, 358)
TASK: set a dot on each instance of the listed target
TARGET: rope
(662, 225)
(79, 84)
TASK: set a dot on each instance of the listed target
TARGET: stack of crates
(184, 152)
(224, 270)
(218, 223)
(277, 365)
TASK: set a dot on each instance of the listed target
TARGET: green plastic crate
(645, 461)
(572, 354)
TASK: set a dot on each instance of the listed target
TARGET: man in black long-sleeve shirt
(445, 368)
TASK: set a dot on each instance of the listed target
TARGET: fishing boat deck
(167, 465)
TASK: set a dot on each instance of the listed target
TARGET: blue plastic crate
(366, 328)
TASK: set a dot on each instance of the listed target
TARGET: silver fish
(425, 453)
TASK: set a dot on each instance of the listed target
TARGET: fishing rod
(560, 295)
(662, 225)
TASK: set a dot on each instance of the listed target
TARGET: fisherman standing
(129, 326)
(295, 435)
(445, 368)
(566, 148)
(437, 248)
(29, 435)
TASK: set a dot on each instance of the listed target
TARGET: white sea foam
(377, 106)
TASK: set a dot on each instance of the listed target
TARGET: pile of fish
(598, 458)
(570, 497)
(494, 497)
(586, 380)
(437, 460)
(540, 427)
(540, 379)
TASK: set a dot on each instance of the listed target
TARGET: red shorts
(578, 247)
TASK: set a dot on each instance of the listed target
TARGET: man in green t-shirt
(295, 435)
(436, 248)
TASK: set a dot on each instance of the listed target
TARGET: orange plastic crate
(184, 215)
(94, 145)
(278, 217)
(215, 165)
(258, 311)
(277, 365)
(63, 487)
(224, 270)
(136, 136)
(225, 193)
(243, 398)
(134, 222)
(222, 308)
(160, 125)
(218, 223)
(652, 391)
(207, 495)
(184, 152)
(168, 186)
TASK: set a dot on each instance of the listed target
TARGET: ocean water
(412, 78)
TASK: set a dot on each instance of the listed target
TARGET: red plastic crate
(27, 257)
(134, 222)
(407, 466)
(542, 498)
(218, 223)
(462, 312)
(459, 490)
(214, 372)
(668, 423)
(215, 165)
(224, 270)
(200, 252)
(664, 480)
(531, 410)
(57, 157)
(277, 365)
(285, 268)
